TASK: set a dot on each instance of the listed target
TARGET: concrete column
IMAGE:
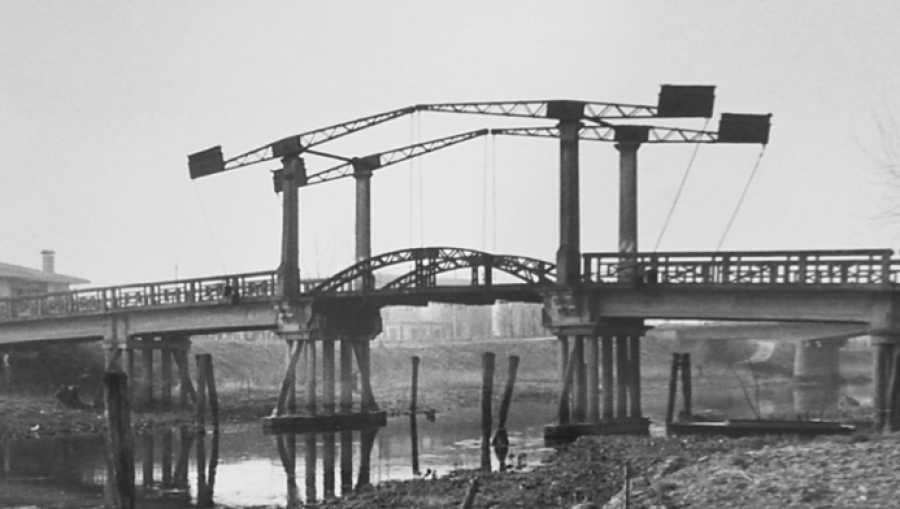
(568, 256)
(563, 362)
(148, 376)
(883, 364)
(311, 382)
(363, 176)
(165, 395)
(328, 376)
(593, 401)
(606, 343)
(580, 386)
(294, 174)
(622, 366)
(628, 207)
(634, 375)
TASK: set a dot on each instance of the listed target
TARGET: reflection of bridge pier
(286, 444)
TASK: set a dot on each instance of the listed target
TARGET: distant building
(16, 281)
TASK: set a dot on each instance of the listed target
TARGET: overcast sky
(101, 103)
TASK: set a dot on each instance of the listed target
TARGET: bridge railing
(849, 267)
(217, 289)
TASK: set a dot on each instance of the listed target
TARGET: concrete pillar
(165, 395)
(606, 343)
(346, 376)
(294, 174)
(363, 175)
(563, 362)
(884, 353)
(580, 386)
(593, 396)
(568, 256)
(311, 382)
(634, 375)
(622, 366)
(328, 376)
(628, 207)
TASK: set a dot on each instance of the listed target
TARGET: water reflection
(286, 446)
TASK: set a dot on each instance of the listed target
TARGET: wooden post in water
(147, 460)
(487, 388)
(508, 390)
(686, 384)
(414, 390)
(346, 437)
(329, 451)
(310, 457)
(673, 387)
(312, 404)
(287, 382)
(120, 441)
(563, 414)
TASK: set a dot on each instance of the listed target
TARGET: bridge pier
(817, 374)
(887, 350)
(173, 348)
(610, 353)
(347, 332)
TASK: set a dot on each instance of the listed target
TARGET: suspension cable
(678, 193)
(741, 200)
(209, 227)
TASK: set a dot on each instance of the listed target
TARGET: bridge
(596, 303)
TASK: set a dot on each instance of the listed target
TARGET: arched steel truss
(431, 261)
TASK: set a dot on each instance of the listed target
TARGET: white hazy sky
(102, 101)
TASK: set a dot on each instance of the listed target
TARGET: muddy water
(243, 467)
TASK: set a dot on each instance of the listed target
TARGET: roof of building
(10, 271)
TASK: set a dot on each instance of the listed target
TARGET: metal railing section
(849, 267)
(212, 290)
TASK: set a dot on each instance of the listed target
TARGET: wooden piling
(166, 453)
(186, 392)
(487, 388)
(414, 389)
(881, 380)
(414, 443)
(508, 390)
(673, 387)
(606, 358)
(686, 384)
(202, 498)
(329, 450)
(367, 399)
(469, 501)
(346, 437)
(120, 441)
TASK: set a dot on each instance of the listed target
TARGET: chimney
(48, 255)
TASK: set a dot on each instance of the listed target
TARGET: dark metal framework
(431, 261)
